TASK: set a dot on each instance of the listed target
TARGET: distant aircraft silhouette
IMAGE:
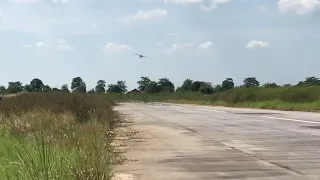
(141, 56)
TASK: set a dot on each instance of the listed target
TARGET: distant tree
(46, 88)
(27, 88)
(55, 90)
(2, 89)
(227, 84)
(206, 88)
(153, 87)
(80, 89)
(143, 83)
(195, 86)
(65, 88)
(14, 87)
(309, 81)
(120, 87)
(91, 91)
(251, 82)
(78, 85)
(186, 85)
(287, 85)
(36, 85)
(270, 85)
(101, 86)
(166, 85)
(218, 88)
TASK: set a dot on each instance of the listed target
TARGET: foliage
(226, 91)
(227, 84)
(14, 87)
(251, 82)
(36, 85)
(120, 87)
(78, 85)
(101, 86)
(56, 135)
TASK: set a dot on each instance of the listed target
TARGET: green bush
(297, 96)
(56, 136)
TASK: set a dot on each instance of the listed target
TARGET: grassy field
(57, 136)
(280, 98)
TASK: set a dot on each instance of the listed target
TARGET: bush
(241, 97)
(56, 136)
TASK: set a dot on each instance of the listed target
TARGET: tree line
(145, 84)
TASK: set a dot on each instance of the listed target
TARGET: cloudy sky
(56, 40)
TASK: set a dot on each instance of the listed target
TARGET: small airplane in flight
(141, 56)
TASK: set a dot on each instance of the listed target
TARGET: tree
(14, 87)
(78, 85)
(80, 89)
(270, 85)
(101, 86)
(120, 87)
(65, 88)
(91, 91)
(55, 90)
(227, 84)
(153, 87)
(36, 85)
(250, 82)
(143, 83)
(206, 88)
(186, 85)
(2, 89)
(218, 88)
(309, 81)
(46, 88)
(166, 85)
(27, 88)
(195, 86)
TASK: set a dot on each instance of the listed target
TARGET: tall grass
(282, 98)
(56, 136)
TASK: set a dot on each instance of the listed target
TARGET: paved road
(203, 142)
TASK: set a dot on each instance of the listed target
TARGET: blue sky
(210, 40)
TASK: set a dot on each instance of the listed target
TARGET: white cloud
(299, 6)
(113, 47)
(149, 14)
(60, 1)
(25, 1)
(206, 5)
(183, 2)
(44, 20)
(257, 44)
(94, 25)
(36, 1)
(40, 44)
(209, 5)
(206, 45)
(61, 45)
(179, 47)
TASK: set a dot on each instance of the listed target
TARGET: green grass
(281, 98)
(57, 136)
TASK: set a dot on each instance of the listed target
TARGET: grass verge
(286, 98)
(57, 136)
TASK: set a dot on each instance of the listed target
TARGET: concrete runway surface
(206, 142)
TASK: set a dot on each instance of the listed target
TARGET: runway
(205, 142)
